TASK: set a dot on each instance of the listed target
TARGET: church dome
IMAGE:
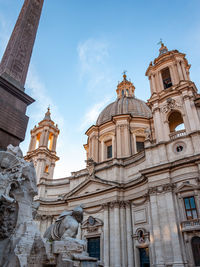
(125, 105)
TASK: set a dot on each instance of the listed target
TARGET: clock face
(91, 220)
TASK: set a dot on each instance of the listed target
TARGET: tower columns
(44, 156)
(180, 71)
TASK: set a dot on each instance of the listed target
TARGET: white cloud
(39, 92)
(93, 58)
(92, 53)
(71, 155)
(91, 115)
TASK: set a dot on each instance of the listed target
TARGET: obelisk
(13, 73)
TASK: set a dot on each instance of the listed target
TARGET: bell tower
(42, 148)
(173, 96)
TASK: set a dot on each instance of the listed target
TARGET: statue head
(77, 213)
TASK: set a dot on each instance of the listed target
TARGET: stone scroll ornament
(18, 232)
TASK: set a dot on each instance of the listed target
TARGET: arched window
(122, 92)
(50, 141)
(176, 122)
(37, 140)
(195, 242)
(46, 170)
(167, 82)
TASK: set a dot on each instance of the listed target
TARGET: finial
(124, 74)
(47, 114)
(163, 49)
(161, 42)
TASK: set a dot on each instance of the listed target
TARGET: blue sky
(81, 50)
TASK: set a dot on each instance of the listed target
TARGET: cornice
(9, 87)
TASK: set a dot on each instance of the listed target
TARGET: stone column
(172, 74)
(46, 138)
(42, 138)
(153, 83)
(106, 247)
(129, 236)
(158, 124)
(112, 234)
(119, 149)
(183, 70)
(32, 143)
(157, 82)
(161, 81)
(55, 136)
(175, 73)
(96, 148)
(156, 231)
(117, 251)
(102, 151)
(180, 71)
(189, 112)
(175, 242)
(123, 233)
(113, 147)
(127, 140)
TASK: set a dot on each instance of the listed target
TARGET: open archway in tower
(50, 141)
(176, 122)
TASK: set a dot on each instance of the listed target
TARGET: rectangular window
(139, 143)
(190, 208)
(109, 152)
(140, 146)
(167, 82)
(93, 247)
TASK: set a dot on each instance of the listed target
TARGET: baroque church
(141, 186)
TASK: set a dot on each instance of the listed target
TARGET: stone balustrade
(190, 225)
(177, 134)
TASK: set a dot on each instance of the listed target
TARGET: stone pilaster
(129, 236)
(106, 247)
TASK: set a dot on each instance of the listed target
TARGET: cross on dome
(163, 49)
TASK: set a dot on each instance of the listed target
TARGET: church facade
(140, 188)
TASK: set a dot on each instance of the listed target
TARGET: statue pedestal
(71, 252)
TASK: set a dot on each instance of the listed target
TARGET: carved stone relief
(170, 104)
(142, 236)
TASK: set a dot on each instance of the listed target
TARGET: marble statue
(18, 232)
(62, 242)
(66, 225)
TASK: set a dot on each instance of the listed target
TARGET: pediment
(186, 187)
(90, 185)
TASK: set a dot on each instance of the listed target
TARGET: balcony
(192, 225)
(177, 134)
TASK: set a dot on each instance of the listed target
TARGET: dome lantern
(125, 88)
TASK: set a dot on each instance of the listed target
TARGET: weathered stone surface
(66, 248)
(20, 240)
(16, 59)
(66, 226)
